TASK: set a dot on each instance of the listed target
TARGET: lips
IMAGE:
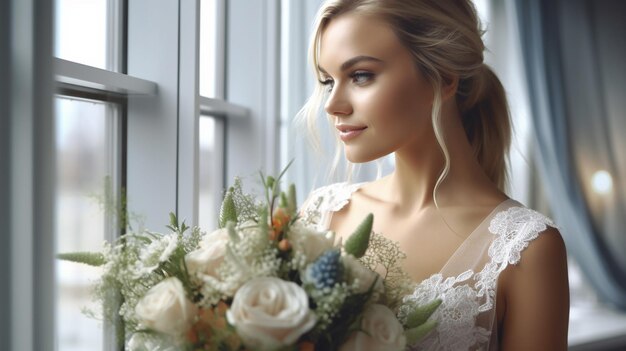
(349, 132)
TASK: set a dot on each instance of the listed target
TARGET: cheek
(397, 108)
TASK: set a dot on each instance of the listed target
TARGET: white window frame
(253, 63)
(251, 142)
(27, 175)
(163, 109)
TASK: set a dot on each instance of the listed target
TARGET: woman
(407, 77)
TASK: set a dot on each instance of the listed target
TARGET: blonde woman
(407, 77)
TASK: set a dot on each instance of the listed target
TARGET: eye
(328, 83)
(361, 77)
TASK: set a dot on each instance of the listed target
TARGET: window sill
(83, 77)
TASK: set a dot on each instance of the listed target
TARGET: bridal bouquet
(265, 280)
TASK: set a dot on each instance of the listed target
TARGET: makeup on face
(378, 100)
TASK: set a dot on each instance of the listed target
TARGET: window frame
(27, 206)
(161, 108)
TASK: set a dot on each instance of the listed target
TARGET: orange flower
(220, 315)
(272, 234)
(208, 321)
(306, 346)
(284, 245)
(200, 328)
(280, 219)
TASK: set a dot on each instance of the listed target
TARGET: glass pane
(81, 31)
(211, 168)
(208, 31)
(85, 163)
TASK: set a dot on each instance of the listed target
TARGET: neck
(412, 183)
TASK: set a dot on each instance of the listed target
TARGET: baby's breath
(384, 255)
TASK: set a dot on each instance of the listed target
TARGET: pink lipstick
(349, 132)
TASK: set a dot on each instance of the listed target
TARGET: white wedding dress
(467, 283)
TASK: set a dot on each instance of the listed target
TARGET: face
(379, 100)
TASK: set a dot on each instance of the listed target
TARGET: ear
(449, 87)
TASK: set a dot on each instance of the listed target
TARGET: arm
(536, 293)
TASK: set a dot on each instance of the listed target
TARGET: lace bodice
(467, 284)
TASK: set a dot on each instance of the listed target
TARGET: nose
(338, 103)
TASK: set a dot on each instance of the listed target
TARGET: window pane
(211, 168)
(86, 157)
(81, 33)
(208, 31)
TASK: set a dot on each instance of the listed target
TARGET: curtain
(574, 53)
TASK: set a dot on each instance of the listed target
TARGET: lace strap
(322, 202)
(514, 229)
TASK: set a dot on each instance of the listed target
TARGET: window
(89, 121)
(127, 75)
(87, 140)
(211, 170)
(87, 32)
(159, 137)
(211, 131)
(211, 26)
(211, 127)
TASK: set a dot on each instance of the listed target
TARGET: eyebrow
(353, 61)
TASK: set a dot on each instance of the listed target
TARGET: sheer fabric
(467, 283)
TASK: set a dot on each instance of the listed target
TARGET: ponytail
(485, 115)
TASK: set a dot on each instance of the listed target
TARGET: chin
(354, 156)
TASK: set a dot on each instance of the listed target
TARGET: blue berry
(326, 271)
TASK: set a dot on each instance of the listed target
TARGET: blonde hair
(444, 38)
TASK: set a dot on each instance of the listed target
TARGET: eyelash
(357, 78)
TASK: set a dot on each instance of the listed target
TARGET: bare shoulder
(536, 295)
(547, 250)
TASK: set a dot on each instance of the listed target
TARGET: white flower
(210, 254)
(171, 242)
(269, 313)
(361, 275)
(309, 243)
(145, 342)
(381, 332)
(165, 308)
(157, 252)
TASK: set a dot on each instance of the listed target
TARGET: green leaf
(292, 204)
(263, 221)
(357, 243)
(414, 335)
(228, 211)
(269, 182)
(232, 233)
(173, 220)
(183, 228)
(283, 200)
(421, 313)
(95, 259)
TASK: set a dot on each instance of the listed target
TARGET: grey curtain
(574, 53)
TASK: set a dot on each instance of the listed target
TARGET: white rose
(381, 331)
(309, 242)
(210, 254)
(166, 309)
(145, 342)
(270, 313)
(363, 276)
